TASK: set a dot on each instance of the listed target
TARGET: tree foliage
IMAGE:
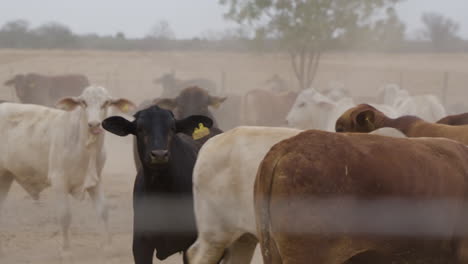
(305, 27)
(441, 31)
(161, 31)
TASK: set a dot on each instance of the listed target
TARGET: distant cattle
(266, 108)
(427, 107)
(44, 147)
(32, 88)
(228, 114)
(455, 120)
(314, 110)
(277, 84)
(223, 180)
(334, 198)
(173, 86)
(162, 196)
(191, 101)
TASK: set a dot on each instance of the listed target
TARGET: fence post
(445, 87)
(400, 81)
(223, 82)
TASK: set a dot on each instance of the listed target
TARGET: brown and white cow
(33, 88)
(223, 182)
(334, 198)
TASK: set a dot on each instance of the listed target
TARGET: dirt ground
(28, 229)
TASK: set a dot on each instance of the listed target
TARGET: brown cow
(455, 120)
(365, 118)
(333, 198)
(32, 88)
(266, 108)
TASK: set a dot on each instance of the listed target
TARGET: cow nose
(94, 124)
(159, 154)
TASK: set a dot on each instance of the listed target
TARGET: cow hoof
(66, 257)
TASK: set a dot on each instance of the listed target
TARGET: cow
(266, 108)
(365, 118)
(313, 110)
(278, 84)
(173, 86)
(191, 101)
(33, 88)
(454, 120)
(335, 198)
(63, 149)
(427, 107)
(223, 181)
(162, 195)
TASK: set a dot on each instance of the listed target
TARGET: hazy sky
(187, 18)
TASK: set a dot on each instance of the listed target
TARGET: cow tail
(263, 189)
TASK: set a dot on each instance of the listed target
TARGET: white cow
(223, 181)
(313, 110)
(44, 147)
(427, 107)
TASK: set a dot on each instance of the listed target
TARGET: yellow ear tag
(371, 126)
(125, 108)
(200, 131)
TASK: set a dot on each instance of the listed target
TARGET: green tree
(54, 35)
(305, 28)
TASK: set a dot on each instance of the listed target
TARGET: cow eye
(105, 104)
(302, 104)
(83, 103)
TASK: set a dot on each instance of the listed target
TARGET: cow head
(94, 102)
(21, 84)
(191, 101)
(310, 110)
(361, 118)
(154, 129)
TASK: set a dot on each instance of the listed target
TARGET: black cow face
(154, 129)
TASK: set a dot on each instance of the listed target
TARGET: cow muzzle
(159, 156)
(95, 128)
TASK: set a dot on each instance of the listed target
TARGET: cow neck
(90, 147)
(155, 177)
(403, 123)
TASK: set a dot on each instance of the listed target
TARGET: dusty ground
(28, 229)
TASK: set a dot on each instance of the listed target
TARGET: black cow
(191, 101)
(162, 197)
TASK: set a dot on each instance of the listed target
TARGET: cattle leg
(63, 213)
(206, 250)
(143, 252)
(100, 204)
(241, 251)
(6, 179)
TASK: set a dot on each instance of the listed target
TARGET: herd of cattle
(275, 167)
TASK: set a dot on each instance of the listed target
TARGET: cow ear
(215, 101)
(68, 103)
(365, 120)
(166, 103)
(325, 105)
(124, 105)
(188, 125)
(119, 126)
